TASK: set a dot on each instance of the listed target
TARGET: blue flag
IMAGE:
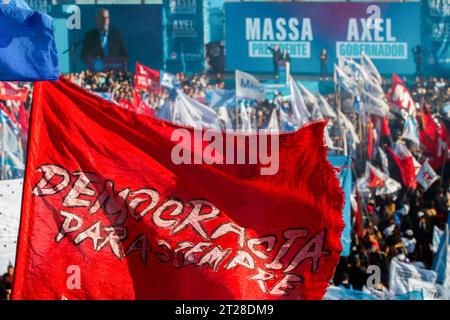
(221, 98)
(441, 261)
(27, 44)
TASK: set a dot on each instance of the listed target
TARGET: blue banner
(343, 166)
(183, 36)
(387, 35)
(435, 54)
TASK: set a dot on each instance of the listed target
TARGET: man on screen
(103, 41)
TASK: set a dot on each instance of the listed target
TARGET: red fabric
(23, 118)
(9, 91)
(382, 125)
(296, 213)
(385, 130)
(146, 78)
(140, 106)
(435, 140)
(400, 96)
(406, 168)
(370, 139)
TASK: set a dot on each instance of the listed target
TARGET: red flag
(23, 118)
(10, 91)
(400, 96)
(406, 168)
(126, 104)
(146, 78)
(434, 139)
(382, 125)
(105, 201)
(140, 106)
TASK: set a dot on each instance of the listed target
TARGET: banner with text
(183, 35)
(387, 34)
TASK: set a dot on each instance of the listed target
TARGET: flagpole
(337, 97)
(237, 114)
(237, 107)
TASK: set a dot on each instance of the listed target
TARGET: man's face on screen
(103, 20)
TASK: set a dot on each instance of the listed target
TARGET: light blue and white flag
(325, 108)
(248, 87)
(12, 162)
(219, 98)
(190, 112)
(373, 105)
(441, 261)
(410, 130)
(370, 68)
(343, 164)
(344, 81)
(430, 291)
(437, 234)
(400, 273)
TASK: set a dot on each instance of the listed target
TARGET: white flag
(190, 112)
(381, 182)
(368, 65)
(11, 197)
(325, 108)
(384, 160)
(373, 105)
(273, 125)
(246, 124)
(248, 87)
(344, 81)
(426, 176)
(299, 110)
(348, 125)
(222, 115)
(400, 273)
(308, 96)
(437, 234)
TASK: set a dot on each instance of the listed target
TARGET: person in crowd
(6, 284)
(103, 41)
(323, 64)
(417, 53)
(276, 58)
(286, 58)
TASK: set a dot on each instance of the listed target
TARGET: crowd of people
(396, 225)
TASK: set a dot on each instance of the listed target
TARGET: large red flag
(109, 213)
(146, 78)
